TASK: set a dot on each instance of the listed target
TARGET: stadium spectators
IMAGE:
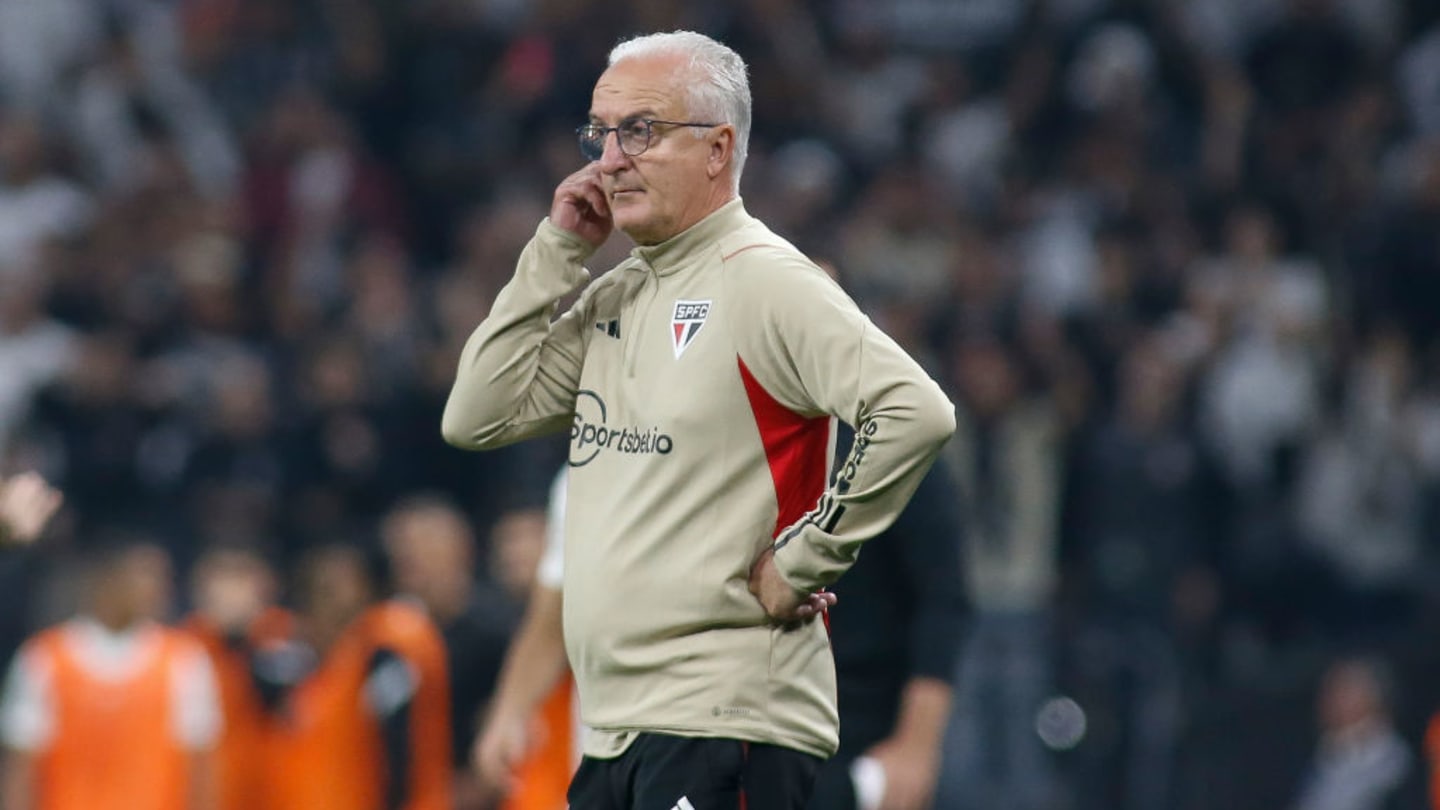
(1360, 760)
(196, 190)
(1007, 460)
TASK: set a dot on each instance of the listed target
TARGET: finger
(594, 192)
(576, 185)
(586, 177)
(596, 197)
(575, 194)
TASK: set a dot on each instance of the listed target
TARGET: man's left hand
(911, 771)
(782, 602)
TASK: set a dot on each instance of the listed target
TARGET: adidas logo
(611, 328)
(683, 804)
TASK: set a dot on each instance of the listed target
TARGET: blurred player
(431, 548)
(895, 657)
(528, 748)
(234, 592)
(111, 710)
(361, 696)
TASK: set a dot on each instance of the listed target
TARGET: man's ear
(722, 150)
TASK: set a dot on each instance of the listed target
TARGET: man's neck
(115, 622)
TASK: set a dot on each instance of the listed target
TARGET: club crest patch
(685, 325)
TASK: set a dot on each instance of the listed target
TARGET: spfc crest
(685, 325)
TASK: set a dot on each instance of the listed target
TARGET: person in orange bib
(111, 710)
(234, 593)
(431, 548)
(361, 696)
(529, 746)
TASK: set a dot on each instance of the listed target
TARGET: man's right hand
(782, 602)
(581, 207)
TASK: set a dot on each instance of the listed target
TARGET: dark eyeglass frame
(592, 136)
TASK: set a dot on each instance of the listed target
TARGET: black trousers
(834, 789)
(663, 772)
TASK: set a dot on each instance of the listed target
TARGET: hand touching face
(581, 207)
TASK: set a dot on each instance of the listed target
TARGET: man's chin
(633, 222)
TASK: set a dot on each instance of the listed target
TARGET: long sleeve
(519, 371)
(812, 350)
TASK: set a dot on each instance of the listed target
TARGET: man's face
(517, 542)
(430, 552)
(136, 586)
(336, 590)
(231, 588)
(666, 189)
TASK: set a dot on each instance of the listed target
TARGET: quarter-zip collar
(668, 256)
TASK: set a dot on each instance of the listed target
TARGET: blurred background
(1178, 263)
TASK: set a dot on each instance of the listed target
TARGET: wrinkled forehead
(641, 86)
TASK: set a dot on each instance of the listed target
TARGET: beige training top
(697, 380)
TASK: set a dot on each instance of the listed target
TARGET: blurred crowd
(1177, 262)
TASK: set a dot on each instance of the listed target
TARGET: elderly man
(698, 380)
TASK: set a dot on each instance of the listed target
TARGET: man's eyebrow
(644, 112)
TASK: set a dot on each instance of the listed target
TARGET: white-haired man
(698, 380)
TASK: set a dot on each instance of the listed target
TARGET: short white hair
(718, 89)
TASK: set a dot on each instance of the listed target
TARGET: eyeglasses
(635, 135)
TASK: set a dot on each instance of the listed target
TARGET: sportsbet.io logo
(590, 434)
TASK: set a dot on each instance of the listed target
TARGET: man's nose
(612, 157)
